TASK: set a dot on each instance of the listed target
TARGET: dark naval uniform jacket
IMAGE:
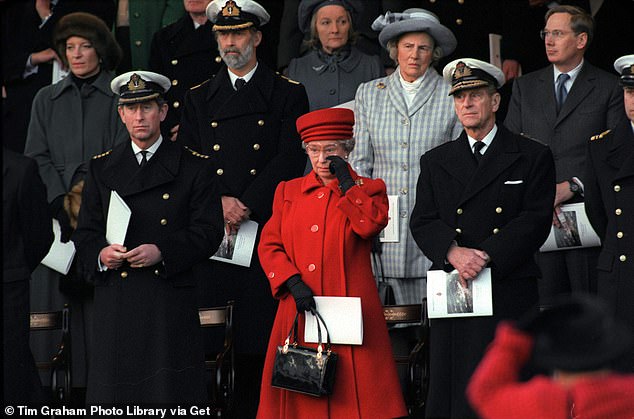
(186, 56)
(147, 346)
(502, 206)
(251, 138)
(609, 193)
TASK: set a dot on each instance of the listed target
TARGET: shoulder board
(198, 85)
(286, 78)
(600, 136)
(528, 137)
(195, 153)
(98, 156)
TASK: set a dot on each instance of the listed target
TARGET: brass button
(216, 147)
(163, 221)
(311, 267)
(622, 258)
(458, 21)
(496, 230)
(498, 210)
(256, 147)
(138, 43)
(618, 211)
(405, 121)
(617, 188)
(460, 1)
(174, 62)
(459, 211)
(174, 82)
(219, 172)
(124, 274)
(214, 124)
(176, 104)
(459, 230)
(432, 1)
(166, 196)
(314, 228)
(619, 235)
(156, 272)
(261, 122)
(253, 172)
(218, 58)
(358, 201)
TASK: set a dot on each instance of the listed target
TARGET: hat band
(237, 27)
(136, 99)
(627, 80)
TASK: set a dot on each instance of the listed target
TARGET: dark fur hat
(90, 27)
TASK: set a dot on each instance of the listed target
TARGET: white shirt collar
(572, 73)
(487, 140)
(233, 77)
(150, 150)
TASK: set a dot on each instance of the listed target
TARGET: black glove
(60, 214)
(339, 168)
(302, 294)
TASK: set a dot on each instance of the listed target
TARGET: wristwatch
(574, 187)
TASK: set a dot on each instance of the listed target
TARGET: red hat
(326, 125)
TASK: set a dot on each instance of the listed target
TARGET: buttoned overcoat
(609, 190)
(147, 345)
(502, 206)
(325, 237)
(252, 141)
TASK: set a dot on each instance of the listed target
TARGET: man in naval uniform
(482, 200)
(147, 342)
(610, 206)
(244, 119)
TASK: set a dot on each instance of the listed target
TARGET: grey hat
(393, 25)
(307, 8)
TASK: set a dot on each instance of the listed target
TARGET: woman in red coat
(318, 242)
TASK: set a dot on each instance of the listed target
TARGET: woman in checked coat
(318, 242)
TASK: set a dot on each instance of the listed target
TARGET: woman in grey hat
(72, 121)
(333, 68)
(398, 118)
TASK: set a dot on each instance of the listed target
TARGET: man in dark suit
(482, 200)
(186, 53)
(563, 105)
(27, 234)
(610, 205)
(147, 346)
(244, 118)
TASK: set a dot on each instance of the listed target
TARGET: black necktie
(240, 83)
(562, 92)
(477, 147)
(143, 158)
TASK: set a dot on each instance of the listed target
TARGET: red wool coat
(325, 237)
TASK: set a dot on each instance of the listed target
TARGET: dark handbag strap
(293, 333)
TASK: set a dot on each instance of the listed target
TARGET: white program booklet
(447, 296)
(390, 233)
(576, 230)
(495, 49)
(118, 219)
(342, 316)
(237, 249)
(60, 255)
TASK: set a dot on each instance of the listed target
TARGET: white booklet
(60, 255)
(390, 233)
(118, 219)
(237, 249)
(576, 230)
(447, 296)
(342, 316)
(495, 50)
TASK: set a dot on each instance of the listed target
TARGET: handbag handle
(293, 333)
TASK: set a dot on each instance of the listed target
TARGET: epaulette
(198, 85)
(286, 78)
(600, 136)
(98, 156)
(528, 137)
(195, 153)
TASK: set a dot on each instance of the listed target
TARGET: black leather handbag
(302, 369)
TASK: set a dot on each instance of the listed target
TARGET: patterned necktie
(477, 147)
(562, 92)
(240, 83)
(143, 158)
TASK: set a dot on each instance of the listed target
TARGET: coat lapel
(459, 162)
(581, 88)
(253, 98)
(427, 89)
(395, 93)
(621, 153)
(547, 87)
